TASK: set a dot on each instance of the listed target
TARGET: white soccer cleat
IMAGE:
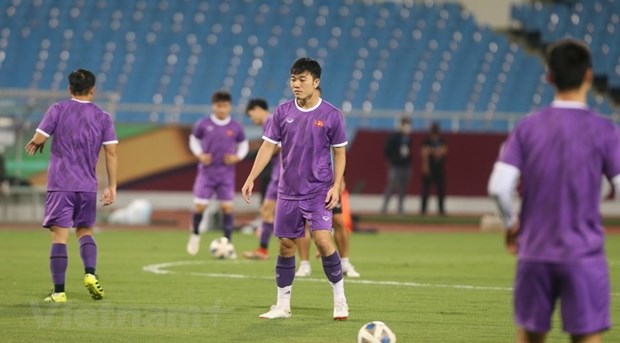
(304, 270)
(341, 309)
(276, 312)
(193, 245)
(349, 271)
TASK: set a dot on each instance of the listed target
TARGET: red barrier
(468, 166)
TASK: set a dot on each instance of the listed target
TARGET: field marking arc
(164, 268)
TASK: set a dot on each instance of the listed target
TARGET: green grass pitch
(201, 299)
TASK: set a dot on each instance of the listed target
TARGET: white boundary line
(163, 269)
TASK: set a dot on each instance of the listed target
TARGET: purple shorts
(272, 190)
(70, 209)
(291, 216)
(583, 290)
(206, 187)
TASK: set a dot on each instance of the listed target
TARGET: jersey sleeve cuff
(270, 140)
(43, 133)
(340, 145)
(110, 142)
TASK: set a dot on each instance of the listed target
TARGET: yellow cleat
(56, 298)
(92, 285)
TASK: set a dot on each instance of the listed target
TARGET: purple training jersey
(562, 152)
(79, 129)
(218, 138)
(275, 160)
(307, 137)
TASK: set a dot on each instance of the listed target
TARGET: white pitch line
(161, 268)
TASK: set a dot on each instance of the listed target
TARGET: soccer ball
(221, 248)
(375, 332)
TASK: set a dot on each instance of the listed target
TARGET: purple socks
(265, 235)
(228, 226)
(332, 267)
(88, 252)
(285, 271)
(58, 266)
(196, 219)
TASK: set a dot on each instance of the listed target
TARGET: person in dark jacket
(398, 153)
(434, 150)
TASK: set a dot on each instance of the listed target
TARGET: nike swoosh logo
(337, 273)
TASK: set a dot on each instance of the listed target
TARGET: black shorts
(337, 209)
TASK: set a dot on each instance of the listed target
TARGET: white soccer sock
(338, 289)
(344, 260)
(305, 263)
(284, 297)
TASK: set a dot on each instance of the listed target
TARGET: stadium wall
(468, 166)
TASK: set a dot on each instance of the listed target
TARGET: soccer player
(80, 128)
(308, 129)
(560, 153)
(219, 143)
(341, 236)
(257, 110)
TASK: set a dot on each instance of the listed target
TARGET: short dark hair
(262, 103)
(568, 61)
(306, 64)
(221, 96)
(405, 121)
(81, 81)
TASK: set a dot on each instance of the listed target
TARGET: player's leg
(403, 174)
(320, 221)
(535, 294)
(426, 188)
(288, 226)
(203, 191)
(59, 211)
(440, 181)
(524, 336)
(585, 298)
(226, 194)
(84, 221)
(193, 244)
(341, 236)
(267, 215)
(303, 244)
(389, 189)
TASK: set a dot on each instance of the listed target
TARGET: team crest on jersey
(230, 133)
(319, 123)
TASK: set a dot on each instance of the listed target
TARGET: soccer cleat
(193, 245)
(276, 312)
(304, 270)
(349, 271)
(92, 285)
(341, 309)
(56, 298)
(258, 254)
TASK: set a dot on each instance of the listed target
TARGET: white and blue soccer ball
(376, 332)
(221, 248)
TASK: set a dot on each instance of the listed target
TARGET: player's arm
(111, 164)
(502, 185)
(340, 161)
(263, 157)
(37, 143)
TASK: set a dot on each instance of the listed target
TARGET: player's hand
(425, 170)
(109, 196)
(32, 148)
(246, 190)
(511, 239)
(231, 159)
(205, 159)
(333, 196)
